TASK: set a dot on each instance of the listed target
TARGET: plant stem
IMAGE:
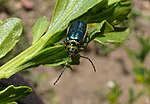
(10, 67)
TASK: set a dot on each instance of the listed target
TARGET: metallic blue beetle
(75, 40)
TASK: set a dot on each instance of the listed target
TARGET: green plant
(3, 1)
(132, 97)
(44, 51)
(10, 31)
(46, 48)
(139, 57)
(142, 74)
(10, 94)
(114, 93)
(147, 81)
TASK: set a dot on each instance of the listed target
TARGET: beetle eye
(73, 43)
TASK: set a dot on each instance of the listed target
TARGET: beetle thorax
(72, 47)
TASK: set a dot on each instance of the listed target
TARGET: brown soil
(83, 86)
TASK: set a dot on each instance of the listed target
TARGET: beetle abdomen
(77, 31)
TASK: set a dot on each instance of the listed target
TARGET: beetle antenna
(62, 71)
(90, 62)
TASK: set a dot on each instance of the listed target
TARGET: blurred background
(123, 73)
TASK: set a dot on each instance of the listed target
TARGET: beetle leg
(62, 71)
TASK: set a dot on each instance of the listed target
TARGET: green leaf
(133, 97)
(114, 93)
(147, 78)
(12, 93)
(145, 47)
(3, 1)
(139, 73)
(10, 31)
(12, 103)
(52, 56)
(39, 28)
(109, 10)
(112, 37)
(102, 27)
(67, 10)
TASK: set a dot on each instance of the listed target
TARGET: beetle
(75, 42)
